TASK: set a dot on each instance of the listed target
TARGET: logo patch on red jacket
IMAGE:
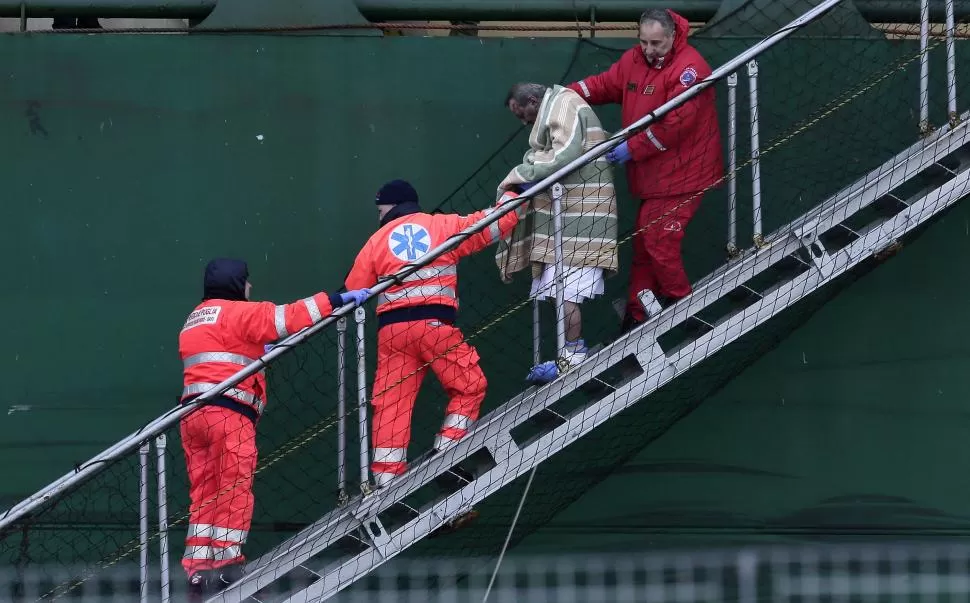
(688, 77)
(203, 316)
(409, 241)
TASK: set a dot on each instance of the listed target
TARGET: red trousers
(657, 262)
(220, 453)
(404, 351)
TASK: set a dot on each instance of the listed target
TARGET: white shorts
(579, 283)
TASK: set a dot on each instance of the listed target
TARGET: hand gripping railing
(131, 443)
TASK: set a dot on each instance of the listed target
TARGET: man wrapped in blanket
(563, 128)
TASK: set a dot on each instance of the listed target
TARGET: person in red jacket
(416, 321)
(222, 335)
(670, 164)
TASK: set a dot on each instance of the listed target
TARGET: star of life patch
(203, 316)
(688, 77)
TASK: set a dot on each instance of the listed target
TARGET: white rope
(508, 536)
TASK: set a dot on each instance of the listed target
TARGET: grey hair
(662, 17)
(523, 90)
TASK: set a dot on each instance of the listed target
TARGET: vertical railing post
(359, 315)
(536, 335)
(160, 443)
(143, 520)
(951, 65)
(924, 67)
(732, 246)
(558, 190)
(342, 496)
(758, 237)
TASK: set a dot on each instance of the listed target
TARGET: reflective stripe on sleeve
(494, 231)
(279, 319)
(656, 142)
(312, 308)
(582, 84)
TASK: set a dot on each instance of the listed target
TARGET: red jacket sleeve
(667, 133)
(493, 233)
(266, 322)
(602, 88)
(362, 274)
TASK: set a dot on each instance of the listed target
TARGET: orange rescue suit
(218, 339)
(416, 328)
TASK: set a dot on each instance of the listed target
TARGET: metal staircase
(860, 223)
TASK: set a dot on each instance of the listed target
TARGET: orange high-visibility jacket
(405, 239)
(221, 336)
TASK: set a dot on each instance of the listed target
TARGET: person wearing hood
(223, 334)
(416, 320)
(670, 164)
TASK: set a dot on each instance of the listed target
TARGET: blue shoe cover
(543, 373)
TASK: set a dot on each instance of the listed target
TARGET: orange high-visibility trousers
(220, 454)
(404, 351)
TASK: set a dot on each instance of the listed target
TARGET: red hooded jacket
(680, 153)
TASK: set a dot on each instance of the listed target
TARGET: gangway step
(856, 225)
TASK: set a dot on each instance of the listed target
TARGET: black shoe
(224, 576)
(629, 323)
(198, 586)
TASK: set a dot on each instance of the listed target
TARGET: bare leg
(574, 321)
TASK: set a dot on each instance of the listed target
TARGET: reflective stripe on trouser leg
(203, 473)
(396, 382)
(198, 553)
(236, 449)
(388, 463)
(453, 429)
(455, 363)
(227, 555)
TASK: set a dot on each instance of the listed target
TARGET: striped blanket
(565, 128)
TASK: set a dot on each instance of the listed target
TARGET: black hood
(225, 279)
(401, 209)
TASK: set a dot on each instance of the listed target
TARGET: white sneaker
(575, 355)
(650, 304)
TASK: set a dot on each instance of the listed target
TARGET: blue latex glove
(543, 373)
(620, 154)
(357, 296)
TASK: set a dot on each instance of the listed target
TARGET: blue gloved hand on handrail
(357, 296)
(620, 154)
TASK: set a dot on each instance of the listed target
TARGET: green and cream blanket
(565, 128)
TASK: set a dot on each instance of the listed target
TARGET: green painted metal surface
(123, 181)
(877, 11)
